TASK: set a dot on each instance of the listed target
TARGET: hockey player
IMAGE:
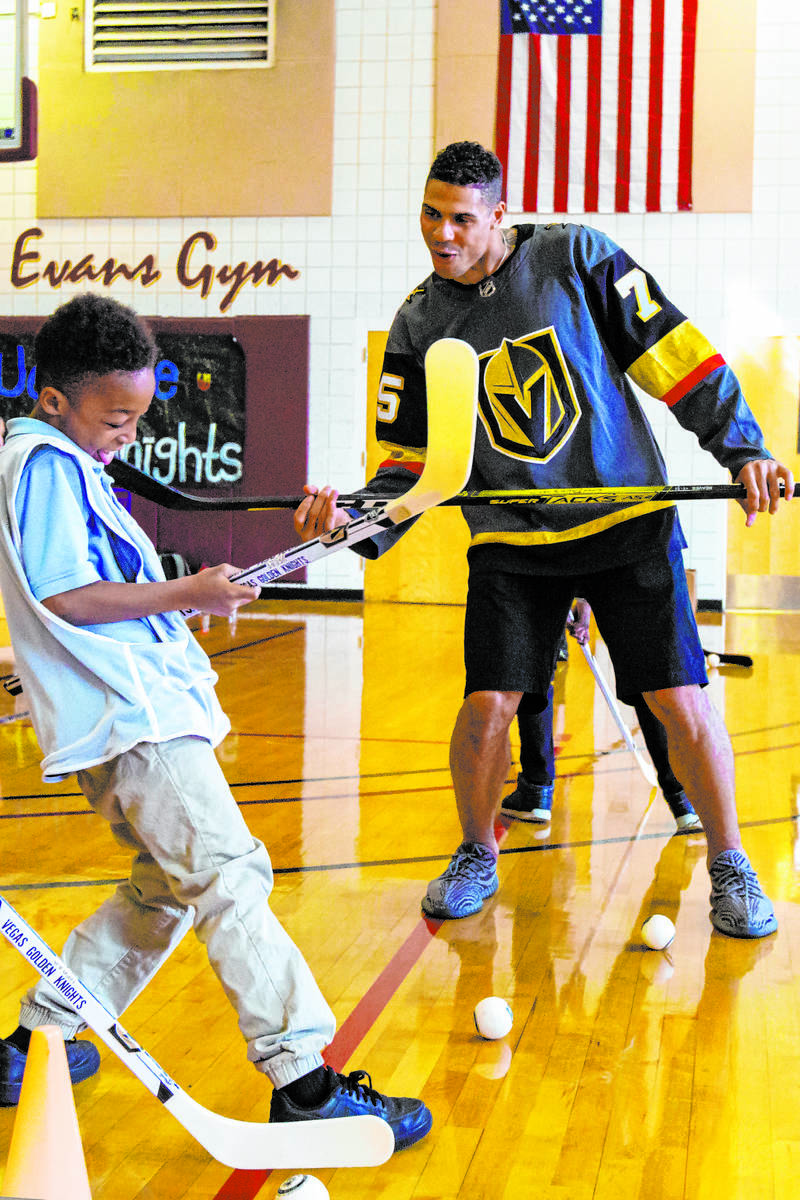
(562, 319)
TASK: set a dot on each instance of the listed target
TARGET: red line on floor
(244, 1185)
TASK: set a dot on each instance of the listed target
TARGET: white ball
(658, 932)
(712, 660)
(493, 1018)
(304, 1187)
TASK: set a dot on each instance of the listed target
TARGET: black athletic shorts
(514, 624)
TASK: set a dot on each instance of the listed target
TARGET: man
(560, 317)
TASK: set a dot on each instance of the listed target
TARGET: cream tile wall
(735, 275)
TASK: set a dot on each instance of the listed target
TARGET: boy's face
(101, 418)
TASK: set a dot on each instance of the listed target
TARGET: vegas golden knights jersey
(560, 331)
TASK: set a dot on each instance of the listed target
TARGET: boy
(121, 693)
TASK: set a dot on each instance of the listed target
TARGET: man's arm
(671, 360)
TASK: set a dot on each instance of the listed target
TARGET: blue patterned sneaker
(529, 802)
(83, 1060)
(686, 818)
(738, 905)
(351, 1097)
(461, 890)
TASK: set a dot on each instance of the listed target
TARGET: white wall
(734, 275)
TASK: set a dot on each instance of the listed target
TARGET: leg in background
(532, 798)
(655, 738)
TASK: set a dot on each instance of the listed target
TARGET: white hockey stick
(451, 382)
(246, 1145)
(610, 699)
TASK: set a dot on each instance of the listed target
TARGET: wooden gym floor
(628, 1073)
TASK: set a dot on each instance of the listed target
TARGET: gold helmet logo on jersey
(528, 405)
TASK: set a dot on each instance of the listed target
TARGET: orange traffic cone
(45, 1158)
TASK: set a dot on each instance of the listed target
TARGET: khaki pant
(196, 863)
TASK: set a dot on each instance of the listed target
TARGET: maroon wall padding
(276, 442)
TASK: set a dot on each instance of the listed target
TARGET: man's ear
(52, 401)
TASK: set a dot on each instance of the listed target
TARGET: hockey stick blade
(644, 766)
(245, 1145)
(451, 378)
(127, 476)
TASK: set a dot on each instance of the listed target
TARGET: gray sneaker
(529, 802)
(738, 905)
(461, 890)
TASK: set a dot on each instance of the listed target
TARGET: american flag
(594, 104)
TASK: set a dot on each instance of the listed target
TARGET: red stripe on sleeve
(694, 377)
(415, 467)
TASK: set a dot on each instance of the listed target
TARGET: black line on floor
(508, 851)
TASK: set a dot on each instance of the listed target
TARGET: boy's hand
(318, 513)
(213, 592)
(761, 477)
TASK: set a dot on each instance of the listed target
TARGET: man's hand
(318, 513)
(761, 477)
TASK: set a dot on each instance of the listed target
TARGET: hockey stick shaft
(357, 1142)
(619, 720)
(135, 481)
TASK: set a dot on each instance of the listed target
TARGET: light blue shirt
(94, 691)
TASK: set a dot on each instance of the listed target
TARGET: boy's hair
(91, 336)
(468, 164)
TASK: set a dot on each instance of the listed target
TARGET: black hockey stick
(729, 660)
(133, 480)
(126, 476)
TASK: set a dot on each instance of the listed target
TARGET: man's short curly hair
(89, 336)
(469, 164)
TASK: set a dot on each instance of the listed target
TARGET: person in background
(532, 798)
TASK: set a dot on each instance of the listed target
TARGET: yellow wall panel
(176, 143)
(769, 371)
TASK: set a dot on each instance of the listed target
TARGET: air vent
(143, 35)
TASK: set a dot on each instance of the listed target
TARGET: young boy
(121, 693)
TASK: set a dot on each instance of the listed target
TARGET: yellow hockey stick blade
(451, 381)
